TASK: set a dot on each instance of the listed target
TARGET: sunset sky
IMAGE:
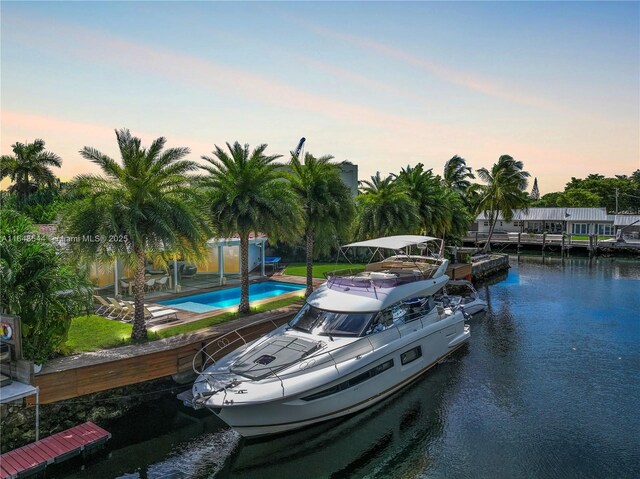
(382, 85)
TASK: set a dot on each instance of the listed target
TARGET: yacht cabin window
(400, 313)
(330, 323)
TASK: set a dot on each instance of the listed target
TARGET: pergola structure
(258, 240)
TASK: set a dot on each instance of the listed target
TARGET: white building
(629, 224)
(575, 221)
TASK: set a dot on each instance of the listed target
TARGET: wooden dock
(35, 457)
(459, 271)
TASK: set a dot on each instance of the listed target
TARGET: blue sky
(383, 85)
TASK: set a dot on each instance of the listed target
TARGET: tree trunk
(244, 273)
(139, 327)
(487, 245)
(25, 187)
(309, 263)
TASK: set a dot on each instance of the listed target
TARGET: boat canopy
(393, 242)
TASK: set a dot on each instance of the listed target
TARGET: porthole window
(411, 355)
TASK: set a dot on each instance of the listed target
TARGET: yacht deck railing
(318, 357)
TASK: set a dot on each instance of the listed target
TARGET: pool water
(225, 298)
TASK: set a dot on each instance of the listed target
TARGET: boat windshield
(329, 323)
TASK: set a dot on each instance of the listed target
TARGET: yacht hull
(291, 413)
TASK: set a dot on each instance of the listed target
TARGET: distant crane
(300, 148)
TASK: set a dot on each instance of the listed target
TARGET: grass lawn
(206, 322)
(300, 269)
(586, 238)
(90, 333)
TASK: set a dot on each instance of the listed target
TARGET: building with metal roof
(626, 220)
(577, 221)
(627, 226)
(557, 214)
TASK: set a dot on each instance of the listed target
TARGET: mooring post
(544, 239)
(37, 413)
(562, 247)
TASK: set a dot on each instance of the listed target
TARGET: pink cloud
(465, 79)
(66, 137)
(98, 47)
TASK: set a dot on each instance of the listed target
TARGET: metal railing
(317, 358)
(233, 339)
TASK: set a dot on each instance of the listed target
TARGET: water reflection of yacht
(389, 439)
(359, 338)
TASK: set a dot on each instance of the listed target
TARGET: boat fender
(6, 331)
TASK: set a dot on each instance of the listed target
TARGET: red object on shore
(59, 447)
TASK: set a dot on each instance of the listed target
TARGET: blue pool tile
(225, 298)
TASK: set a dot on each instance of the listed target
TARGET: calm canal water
(548, 386)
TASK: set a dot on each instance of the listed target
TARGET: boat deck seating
(389, 278)
(402, 267)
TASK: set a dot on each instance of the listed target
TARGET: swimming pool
(224, 298)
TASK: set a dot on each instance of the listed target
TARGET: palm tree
(441, 210)
(456, 213)
(385, 208)
(327, 205)
(457, 174)
(32, 275)
(426, 191)
(249, 194)
(503, 192)
(145, 206)
(29, 168)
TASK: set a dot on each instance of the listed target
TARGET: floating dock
(35, 457)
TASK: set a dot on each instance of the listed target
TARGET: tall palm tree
(426, 191)
(327, 206)
(30, 167)
(248, 194)
(456, 215)
(503, 192)
(441, 210)
(457, 174)
(145, 205)
(385, 208)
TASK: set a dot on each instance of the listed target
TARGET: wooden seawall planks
(90, 373)
(59, 447)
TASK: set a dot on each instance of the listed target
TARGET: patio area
(200, 283)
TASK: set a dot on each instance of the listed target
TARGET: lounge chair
(148, 306)
(161, 313)
(104, 306)
(121, 311)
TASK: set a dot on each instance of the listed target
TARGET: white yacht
(359, 338)
(460, 294)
